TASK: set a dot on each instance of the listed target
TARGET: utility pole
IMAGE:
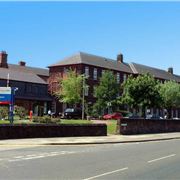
(83, 88)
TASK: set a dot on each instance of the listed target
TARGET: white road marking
(104, 174)
(154, 160)
(37, 156)
(26, 158)
(55, 152)
(32, 155)
(18, 157)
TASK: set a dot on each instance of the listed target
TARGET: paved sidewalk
(91, 140)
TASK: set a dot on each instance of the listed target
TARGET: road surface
(147, 161)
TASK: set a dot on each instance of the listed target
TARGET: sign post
(7, 98)
(5, 95)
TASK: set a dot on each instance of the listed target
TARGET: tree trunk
(169, 113)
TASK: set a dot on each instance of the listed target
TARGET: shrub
(3, 112)
(20, 111)
(45, 119)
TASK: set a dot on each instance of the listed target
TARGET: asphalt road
(150, 160)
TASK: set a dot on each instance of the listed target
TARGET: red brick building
(93, 66)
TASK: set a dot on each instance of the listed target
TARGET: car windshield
(69, 110)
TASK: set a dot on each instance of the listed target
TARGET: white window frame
(118, 77)
(95, 74)
(86, 71)
(65, 70)
(124, 77)
(94, 87)
(86, 90)
(103, 71)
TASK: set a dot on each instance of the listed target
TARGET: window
(118, 77)
(86, 91)
(94, 91)
(35, 89)
(65, 70)
(124, 77)
(102, 72)
(95, 74)
(87, 71)
(29, 88)
(54, 86)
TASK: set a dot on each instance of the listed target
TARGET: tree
(3, 112)
(106, 93)
(20, 111)
(70, 88)
(142, 92)
(170, 93)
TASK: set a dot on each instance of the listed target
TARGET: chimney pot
(170, 70)
(3, 59)
(22, 63)
(120, 58)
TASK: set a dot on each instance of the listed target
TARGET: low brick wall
(45, 131)
(146, 126)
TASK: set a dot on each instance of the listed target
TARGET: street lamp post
(109, 105)
(11, 106)
(83, 101)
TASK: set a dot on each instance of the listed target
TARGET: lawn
(111, 126)
(75, 121)
(62, 121)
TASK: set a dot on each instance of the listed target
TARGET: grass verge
(111, 126)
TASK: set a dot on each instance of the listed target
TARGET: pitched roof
(89, 59)
(158, 73)
(20, 76)
(133, 68)
(28, 69)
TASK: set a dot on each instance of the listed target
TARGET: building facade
(31, 83)
(37, 85)
(93, 67)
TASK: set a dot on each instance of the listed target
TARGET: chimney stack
(22, 63)
(120, 58)
(170, 70)
(3, 59)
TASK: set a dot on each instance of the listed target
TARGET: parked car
(153, 116)
(176, 118)
(132, 116)
(70, 113)
(56, 114)
(115, 115)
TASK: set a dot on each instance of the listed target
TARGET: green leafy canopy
(107, 90)
(70, 88)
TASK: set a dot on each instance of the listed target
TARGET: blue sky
(41, 33)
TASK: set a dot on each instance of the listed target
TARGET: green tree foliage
(107, 91)
(20, 111)
(70, 88)
(3, 112)
(142, 91)
(170, 93)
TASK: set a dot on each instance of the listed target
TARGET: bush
(45, 119)
(20, 111)
(4, 112)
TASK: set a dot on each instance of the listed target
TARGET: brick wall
(146, 126)
(45, 131)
